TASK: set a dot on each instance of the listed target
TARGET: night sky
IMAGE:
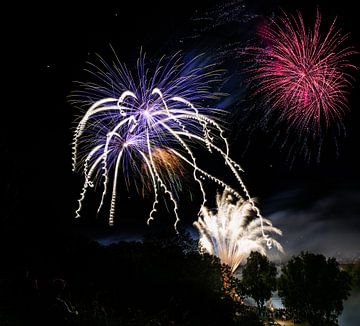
(316, 204)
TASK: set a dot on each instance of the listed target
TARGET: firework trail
(302, 76)
(217, 26)
(169, 167)
(155, 122)
(234, 11)
(231, 233)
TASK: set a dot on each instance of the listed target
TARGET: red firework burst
(301, 74)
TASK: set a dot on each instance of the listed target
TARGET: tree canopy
(258, 279)
(313, 288)
(159, 281)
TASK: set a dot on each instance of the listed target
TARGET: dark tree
(354, 272)
(156, 282)
(258, 279)
(313, 288)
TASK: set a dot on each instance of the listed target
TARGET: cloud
(327, 224)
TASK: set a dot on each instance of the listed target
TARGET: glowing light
(160, 117)
(169, 166)
(231, 233)
(302, 76)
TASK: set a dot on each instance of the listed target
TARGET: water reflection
(351, 313)
(349, 317)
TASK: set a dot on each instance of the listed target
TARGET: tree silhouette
(313, 288)
(258, 279)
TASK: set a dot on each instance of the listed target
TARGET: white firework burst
(232, 233)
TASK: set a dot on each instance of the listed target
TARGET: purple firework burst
(152, 120)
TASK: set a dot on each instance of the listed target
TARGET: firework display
(149, 127)
(231, 233)
(190, 163)
(155, 122)
(301, 74)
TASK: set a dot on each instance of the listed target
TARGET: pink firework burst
(301, 74)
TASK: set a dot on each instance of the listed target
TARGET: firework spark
(153, 121)
(170, 167)
(231, 233)
(303, 76)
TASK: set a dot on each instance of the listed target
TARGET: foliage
(354, 272)
(155, 282)
(313, 288)
(258, 279)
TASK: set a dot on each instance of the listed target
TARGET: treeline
(162, 280)
(159, 281)
(311, 287)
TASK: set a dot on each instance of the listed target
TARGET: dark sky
(46, 47)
